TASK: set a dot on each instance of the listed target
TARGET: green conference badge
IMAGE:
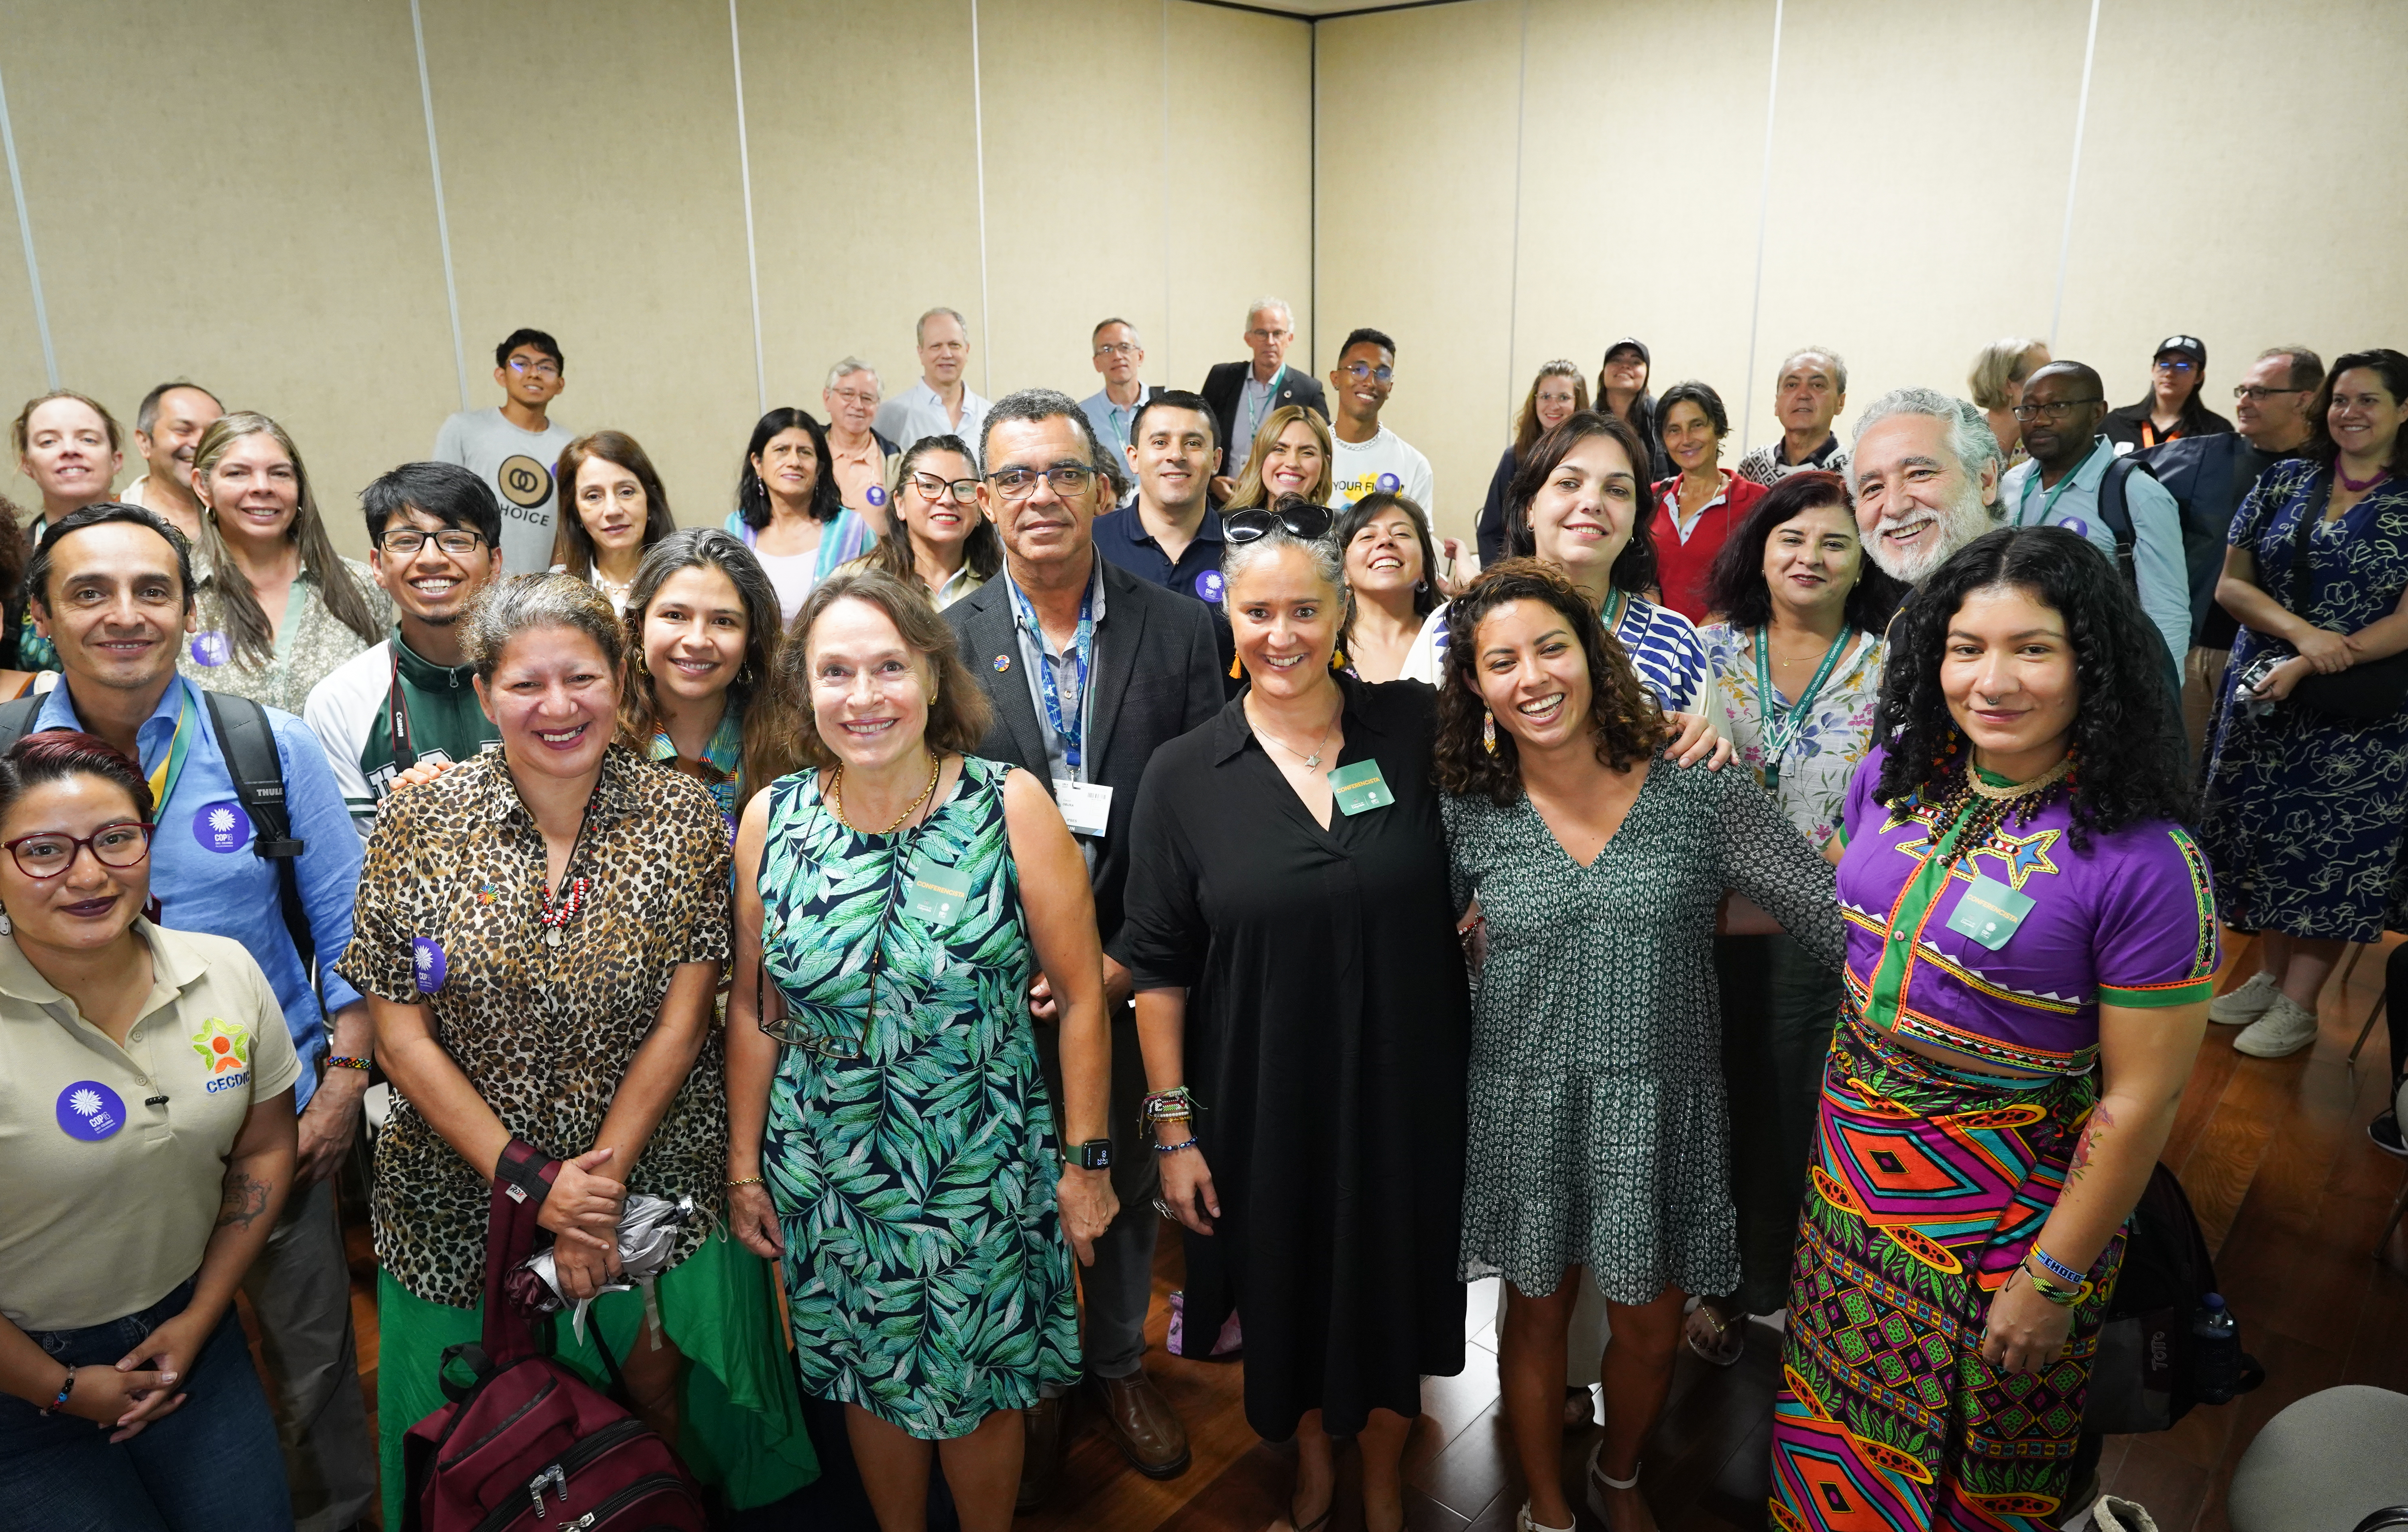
(939, 894)
(1989, 912)
(1360, 788)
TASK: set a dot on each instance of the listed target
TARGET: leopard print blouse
(448, 917)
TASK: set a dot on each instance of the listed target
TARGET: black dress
(1329, 1041)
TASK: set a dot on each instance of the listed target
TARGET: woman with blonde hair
(71, 447)
(1291, 455)
(1997, 384)
(276, 611)
(1556, 394)
(616, 512)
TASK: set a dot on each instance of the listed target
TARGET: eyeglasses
(1068, 479)
(2056, 411)
(853, 396)
(1268, 335)
(2252, 392)
(405, 542)
(46, 853)
(1119, 348)
(963, 490)
(1361, 370)
(533, 369)
(1302, 520)
(2164, 365)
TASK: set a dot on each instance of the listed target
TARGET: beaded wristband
(1188, 1142)
(60, 1401)
(2056, 1267)
(2064, 1297)
(345, 1060)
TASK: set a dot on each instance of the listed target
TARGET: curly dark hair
(2130, 763)
(1737, 588)
(1634, 568)
(1623, 714)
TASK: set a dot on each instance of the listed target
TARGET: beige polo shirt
(857, 473)
(113, 1160)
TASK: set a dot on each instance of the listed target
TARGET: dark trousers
(2395, 999)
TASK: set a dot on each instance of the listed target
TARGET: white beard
(1961, 523)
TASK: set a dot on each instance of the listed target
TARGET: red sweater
(1685, 569)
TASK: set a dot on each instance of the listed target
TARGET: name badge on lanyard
(1070, 728)
(1086, 807)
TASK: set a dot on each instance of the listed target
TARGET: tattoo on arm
(2101, 1124)
(245, 1198)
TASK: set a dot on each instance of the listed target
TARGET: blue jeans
(211, 1466)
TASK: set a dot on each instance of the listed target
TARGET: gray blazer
(1158, 675)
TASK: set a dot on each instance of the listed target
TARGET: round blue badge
(426, 954)
(1391, 484)
(221, 827)
(1208, 586)
(90, 1110)
(2074, 524)
(210, 648)
(877, 496)
(1002, 664)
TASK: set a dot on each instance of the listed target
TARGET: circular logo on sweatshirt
(90, 1110)
(221, 827)
(524, 482)
(1390, 484)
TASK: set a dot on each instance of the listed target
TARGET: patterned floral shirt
(311, 645)
(1833, 737)
(447, 919)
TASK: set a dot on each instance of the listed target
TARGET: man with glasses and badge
(2074, 479)
(1090, 668)
(1112, 409)
(1243, 394)
(1365, 454)
(433, 528)
(862, 460)
(514, 448)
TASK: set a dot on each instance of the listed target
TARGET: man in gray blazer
(1089, 668)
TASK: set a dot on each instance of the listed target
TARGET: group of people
(1027, 822)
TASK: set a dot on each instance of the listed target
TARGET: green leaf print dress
(910, 1148)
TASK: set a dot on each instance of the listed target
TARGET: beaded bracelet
(1175, 1105)
(60, 1401)
(2064, 1297)
(1188, 1142)
(2056, 1267)
(345, 1060)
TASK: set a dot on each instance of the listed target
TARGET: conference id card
(1086, 807)
(1989, 912)
(1360, 788)
(939, 894)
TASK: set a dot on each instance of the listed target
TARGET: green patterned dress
(911, 1150)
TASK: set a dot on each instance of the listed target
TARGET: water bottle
(2216, 1351)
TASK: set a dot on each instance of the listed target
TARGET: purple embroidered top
(2010, 961)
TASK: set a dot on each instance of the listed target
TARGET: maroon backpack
(528, 1444)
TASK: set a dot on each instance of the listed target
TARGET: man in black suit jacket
(1242, 410)
(1086, 724)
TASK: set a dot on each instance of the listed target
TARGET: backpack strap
(17, 718)
(523, 1179)
(248, 741)
(2115, 509)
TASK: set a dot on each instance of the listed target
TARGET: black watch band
(1096, 1154)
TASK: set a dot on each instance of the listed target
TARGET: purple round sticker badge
(426, 954)
(1208, 586)
(221, 826)
(90, 1110)
(2074, 524)
(877, 496)
(1391, 484)
(210, 648)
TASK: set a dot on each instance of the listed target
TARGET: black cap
(1635, 344)
(2190, 346)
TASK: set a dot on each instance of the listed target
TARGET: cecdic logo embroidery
(225, 1054)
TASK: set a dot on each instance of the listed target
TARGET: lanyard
(2062, 485)
(1781, 728)
(171, 766)
(397, 719)
(1254, 413)
(1615, 604)
(1081, 646)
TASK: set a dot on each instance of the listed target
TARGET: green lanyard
(2064, 484)
(1780, 728)
(1616, 603)
(164, 776)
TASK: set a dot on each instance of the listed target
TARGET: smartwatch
(1096, 1154)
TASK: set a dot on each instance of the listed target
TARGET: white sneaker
(2287, 1027)
(1523, 1522)
(2245, 1004)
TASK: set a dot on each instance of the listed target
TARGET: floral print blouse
(1823, 753)
(311, 645)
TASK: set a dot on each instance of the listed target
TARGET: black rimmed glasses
(1068, 479)
(1300, 518)
(406, 542)
(46, 853)
(526, 368)
(2256, 394)
(2057, 411)
(1364, 369)
(962, 491)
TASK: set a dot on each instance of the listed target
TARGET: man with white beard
(1925, 471)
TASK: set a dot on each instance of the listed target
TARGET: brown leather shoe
(1041, 1460)
(1141, 1423)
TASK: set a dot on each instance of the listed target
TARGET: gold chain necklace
(836, 798)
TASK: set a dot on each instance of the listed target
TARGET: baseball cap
(2190, 346)
(1635, 344)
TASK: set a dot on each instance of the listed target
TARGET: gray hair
(1970, 439)
(850, 365)
(1263, 306)
(508, 608)
(919, 325)
(1046, 404)
(1996, 365)
(1838, 364)
(1327, 562)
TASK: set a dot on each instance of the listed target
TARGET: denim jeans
(211, 1466)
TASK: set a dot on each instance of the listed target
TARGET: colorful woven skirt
(1929, 1185)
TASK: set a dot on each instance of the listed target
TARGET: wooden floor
(2273, 1154)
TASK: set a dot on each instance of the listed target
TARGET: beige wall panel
(1240, 120)
(590, 162)
(1918, 188)
(1619, 109)
(2240, 182)
(21, 340)
(864, 184)
(1415, 222)
(239, 196)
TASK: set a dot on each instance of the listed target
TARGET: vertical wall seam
(2073, 174)
(1164, 371)
(1313, 197)
(1513, 259)
(1763, 217)
(978, 143)
(744, 166)
(25, 231)
(442, 218)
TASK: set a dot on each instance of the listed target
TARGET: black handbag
(2371, 692)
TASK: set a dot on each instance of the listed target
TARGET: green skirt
(739, 1418)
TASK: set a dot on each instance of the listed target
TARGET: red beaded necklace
(554, 916)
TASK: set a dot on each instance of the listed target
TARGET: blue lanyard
(1256, 417)
(1081, 646)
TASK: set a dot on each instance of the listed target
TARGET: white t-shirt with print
(1387, 462)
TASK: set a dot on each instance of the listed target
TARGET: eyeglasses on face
(1119, 348)
(2174, 365)
(1068, 479)
(963, 491)
(406, 542)
(2057, 411)
(1305, 521)
(526, 368)
(1364, 369)
(1263, 335)
(854, 396)
(2254, 394)
(46, 853)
